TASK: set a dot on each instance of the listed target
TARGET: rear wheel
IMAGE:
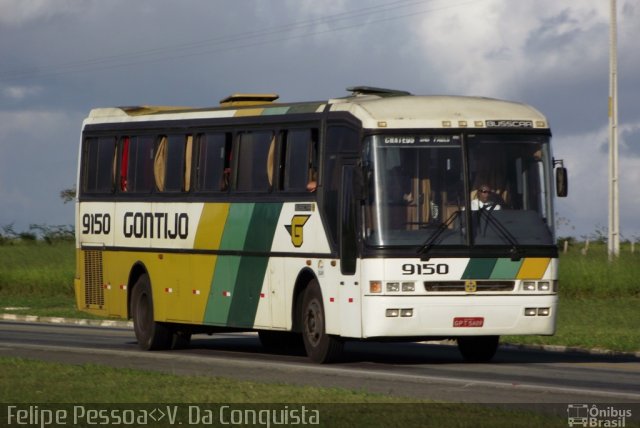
(320, 347)
(478, 349)
(151, 335)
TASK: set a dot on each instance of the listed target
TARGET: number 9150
(425, 269)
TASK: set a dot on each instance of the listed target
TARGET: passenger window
(255, 161)
(300, 169)
(136, 164)
(169, 164)
(214, 159)
(98, 162)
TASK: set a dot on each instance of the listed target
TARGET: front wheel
(151, 335)
(320, 347)
(478, 349)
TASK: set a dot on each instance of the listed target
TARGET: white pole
(614, 215)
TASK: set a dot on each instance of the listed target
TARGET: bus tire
(320, 346)
(151, 335)
(180, 339)
(478, 349)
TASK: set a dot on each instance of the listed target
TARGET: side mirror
(562, 182)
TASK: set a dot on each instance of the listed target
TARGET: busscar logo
(296, 229)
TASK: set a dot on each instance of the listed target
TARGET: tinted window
(339, 139)
(214, 153)
(136, 167)
(169, 164)
(98, 164)
(255, 161)
(300, 169)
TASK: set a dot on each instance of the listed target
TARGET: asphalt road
(417, 370)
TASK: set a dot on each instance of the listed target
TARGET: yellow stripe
(211, 226)
(249, 112)
(533, 268)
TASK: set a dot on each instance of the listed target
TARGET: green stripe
(237, 226)
(224, 279)
(506, 269)
(249, 227)
(304, 108)
(479, 269)
(275, 110)
(252, 269)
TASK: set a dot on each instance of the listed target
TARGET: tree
(68, 195)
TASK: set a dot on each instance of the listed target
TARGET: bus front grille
(93, 289)
(464, 286)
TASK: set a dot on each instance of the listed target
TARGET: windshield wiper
(502, 231)
(431, 241)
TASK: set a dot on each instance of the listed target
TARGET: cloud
(629, 140)
(19, 93)
(16, 13)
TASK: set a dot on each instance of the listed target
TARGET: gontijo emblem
(296, 229)
(470, 286)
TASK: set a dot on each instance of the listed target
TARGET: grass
(593, 276)
(26, 381)
(609, 323)
(37, 269)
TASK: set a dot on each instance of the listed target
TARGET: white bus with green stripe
(377, 216)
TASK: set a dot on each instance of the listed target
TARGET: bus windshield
(423, 192)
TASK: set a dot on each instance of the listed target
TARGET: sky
(62, 58)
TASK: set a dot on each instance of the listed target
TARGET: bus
(379, 215)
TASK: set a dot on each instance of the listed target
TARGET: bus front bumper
(451, 316)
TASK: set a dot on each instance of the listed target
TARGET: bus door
(349, 288)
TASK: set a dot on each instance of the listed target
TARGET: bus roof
(374, 107)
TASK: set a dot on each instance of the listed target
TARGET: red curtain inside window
(124, 164)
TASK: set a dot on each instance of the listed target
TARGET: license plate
(468, 322)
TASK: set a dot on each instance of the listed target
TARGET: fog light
(529, 285)
(375, 286)
(393, 286)
(406, 313)
(408, 286)
(530, 312)
(544, 286)
(544, 312)
(393, 313)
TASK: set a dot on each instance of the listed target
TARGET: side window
(136, 164)
(214, 162)
(339, 139)
(98, 165)
(256, 153)
(300, 165)
(169, 166)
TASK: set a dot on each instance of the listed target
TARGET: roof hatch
(248, 99)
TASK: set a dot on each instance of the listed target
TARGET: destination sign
(421, 140)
